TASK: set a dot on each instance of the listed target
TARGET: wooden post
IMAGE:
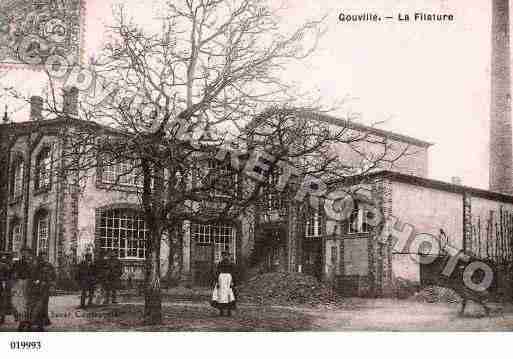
(487, 238)
(511, 236)
(499, 254)
(496, 242)
(479, 235)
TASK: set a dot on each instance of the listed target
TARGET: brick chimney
(70, 105)
(501, 157)
(36, 108)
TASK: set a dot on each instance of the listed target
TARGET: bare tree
(213, 66)
(174, 104)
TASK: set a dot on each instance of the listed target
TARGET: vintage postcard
(255, 166)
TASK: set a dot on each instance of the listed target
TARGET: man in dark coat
(110, 271)
(43, 279)
(86, 277)
(22, 289)
(5, 285)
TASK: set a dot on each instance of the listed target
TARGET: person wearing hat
(43, 279)
(22, 291)
(109, 275)
(86, 277)
(223, 296)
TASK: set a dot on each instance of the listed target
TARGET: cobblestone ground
(195, 314)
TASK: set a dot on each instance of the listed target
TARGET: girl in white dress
(223, 297)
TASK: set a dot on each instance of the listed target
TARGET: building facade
(476, 222)
(295, 237)
(65, 214)
(67, 217)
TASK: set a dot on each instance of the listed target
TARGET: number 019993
(21, 345)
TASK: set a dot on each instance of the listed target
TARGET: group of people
(25, 289)
(105, 272)
(25, 285)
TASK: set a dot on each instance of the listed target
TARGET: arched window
(124, 232)
(359, 220)
(14, 243)
(43, 169)
(42, 231)
(313, 229)
(18, 169)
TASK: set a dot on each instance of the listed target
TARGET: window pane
(122, 236)
(17, 185)
(220, 235)
(43, 167)
(42, 233)
(313, 225)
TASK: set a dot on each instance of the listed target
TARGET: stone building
(467, 220)
(357, 253)
(293, 236)
(67, 217)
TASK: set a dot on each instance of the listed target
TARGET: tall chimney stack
(501, 156)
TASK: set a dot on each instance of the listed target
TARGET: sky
(426, 80)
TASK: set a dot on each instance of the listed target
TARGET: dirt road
(353, 315)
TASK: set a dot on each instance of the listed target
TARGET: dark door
(312, 257)
(203, 265)
(271, 249)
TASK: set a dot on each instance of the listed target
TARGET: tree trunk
(153, 295)
(152, 203)
(173, 272)
(171, 262)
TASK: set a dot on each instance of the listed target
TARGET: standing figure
(110, 271)
(86, 278)
(223, 297)
(22, 298)
(43, 279)
(5, 286)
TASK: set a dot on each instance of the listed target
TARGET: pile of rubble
(437, 294)
(282, 288)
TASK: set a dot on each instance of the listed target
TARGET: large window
(14, 243)
(124, 232)
(219, 235)
(17, 178)
(43, 169)
(313, 225)
(42, 232)
(121, 172)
